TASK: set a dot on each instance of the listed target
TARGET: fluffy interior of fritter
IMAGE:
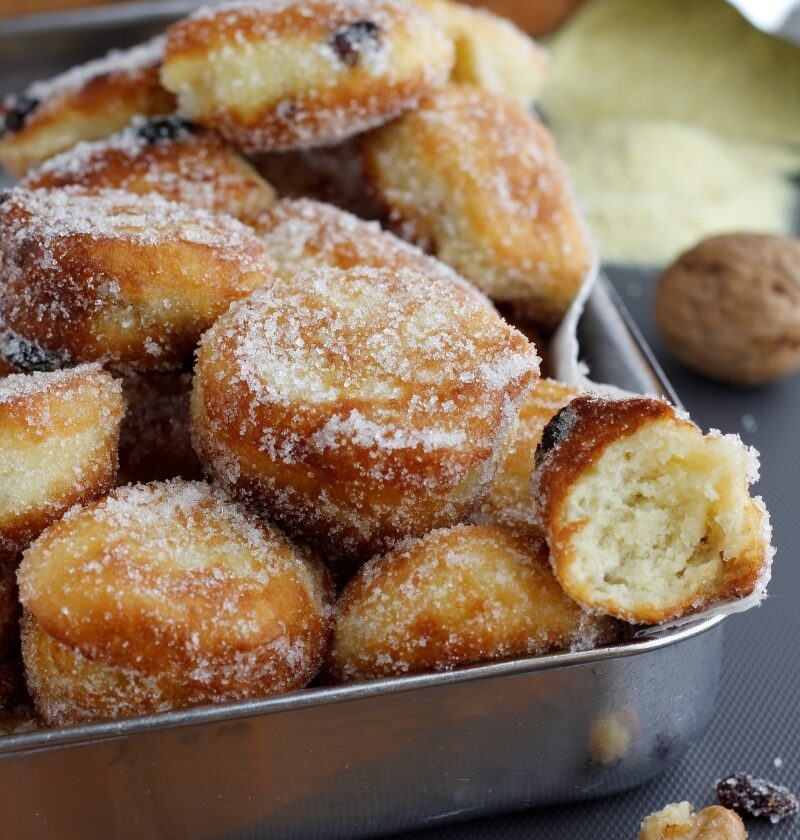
(659, 514)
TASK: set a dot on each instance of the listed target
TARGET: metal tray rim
(99, 16)
(326, 695)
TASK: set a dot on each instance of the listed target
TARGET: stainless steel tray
(372, 758)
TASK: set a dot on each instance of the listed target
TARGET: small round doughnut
(474, 178)
(454, 597)
(491, 52)
(131, 280)
(85, 103)
(162, 596)
(167, 156)
(332, 174)
(292, 74)
(155, 440)
(358, 407)
(647, 519)
(508, 501)
(58, 448)
(304, 234)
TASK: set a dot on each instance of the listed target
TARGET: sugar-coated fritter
(128, 280)
(475, 179)
(86, 102)
(289, 74)
(454, 597)
(58, 447)
(162, 596)
(359, 407)
(168, 156)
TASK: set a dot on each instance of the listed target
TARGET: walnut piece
(678, 821)
(730, 307)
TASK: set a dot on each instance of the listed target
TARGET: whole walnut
(730, 307)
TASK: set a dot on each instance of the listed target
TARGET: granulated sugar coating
(509, 501)
(166, 595)
(476, 179)
(288, 75)
(456, 596)
(110, 276)
(87, 102)
(167, 156)
(304, 234)
(58, 447)
(358, 407)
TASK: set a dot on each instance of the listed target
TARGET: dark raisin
(16, 111)
(557, 430)
(164, 128)
(355, 38)
(29, 357)
(753, 797)
(4, 196)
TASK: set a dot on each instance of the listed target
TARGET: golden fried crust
(304, 234)
(490, 51)
(132, 280)
(578, 434)
(58, 447)
(86, 103)
(301, 73)
(509, 502)
(476, 179)
(455, 596)
(572, 446)
(155, 440)
(166, 156)
(179, 593)
(331, 174)
(358, 407)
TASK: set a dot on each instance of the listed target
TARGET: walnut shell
(730, 307)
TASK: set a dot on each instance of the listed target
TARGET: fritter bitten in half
(456, 596)
(359, 407)
(304, 234)
(167, 156)
(155, 441)
(58, 448)
(162, 596)
(647, 519)
(509, 501)
(491, 52)
(109, 276)
(474, 178)
(86, 103)
(292, 74)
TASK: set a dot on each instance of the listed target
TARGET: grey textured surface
(756, 728)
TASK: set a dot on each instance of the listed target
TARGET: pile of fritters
(363, 416)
